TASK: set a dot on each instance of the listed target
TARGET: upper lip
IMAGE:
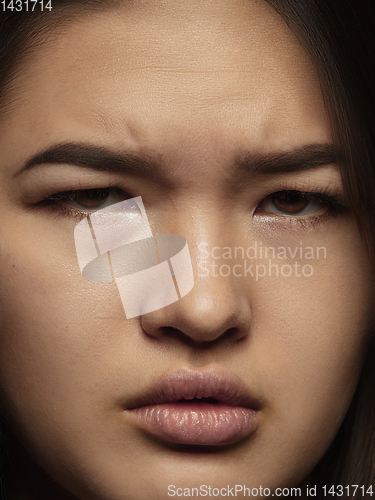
(186, 384)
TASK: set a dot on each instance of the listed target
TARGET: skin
(193, 86)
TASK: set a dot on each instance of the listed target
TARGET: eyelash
(54, 201)
(321, 195)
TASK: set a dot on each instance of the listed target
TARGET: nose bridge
(209, 228)
(217, 303)
(205, 218)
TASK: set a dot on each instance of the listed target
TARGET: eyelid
(331, 201)
(55, 201)
(332, 197)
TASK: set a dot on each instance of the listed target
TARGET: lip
(161, 412)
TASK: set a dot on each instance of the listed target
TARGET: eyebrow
(94, 157)
(103, 159)
(303, 158)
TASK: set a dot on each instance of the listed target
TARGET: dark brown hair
(339, 36)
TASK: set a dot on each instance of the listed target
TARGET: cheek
(51, 320)
(308, 344)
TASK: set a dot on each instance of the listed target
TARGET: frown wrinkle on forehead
(162, 66)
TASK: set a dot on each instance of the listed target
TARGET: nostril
(192, 324)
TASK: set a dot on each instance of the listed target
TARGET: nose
(215, 308)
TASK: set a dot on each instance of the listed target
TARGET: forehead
(146, 72)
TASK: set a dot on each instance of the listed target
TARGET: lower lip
(197, 423)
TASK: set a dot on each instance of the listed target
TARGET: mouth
(208, 408)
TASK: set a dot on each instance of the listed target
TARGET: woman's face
(221, 107)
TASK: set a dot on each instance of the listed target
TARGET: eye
(87, 200)
(296, 203)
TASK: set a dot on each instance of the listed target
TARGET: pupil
(92, 197)
(290, 202)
